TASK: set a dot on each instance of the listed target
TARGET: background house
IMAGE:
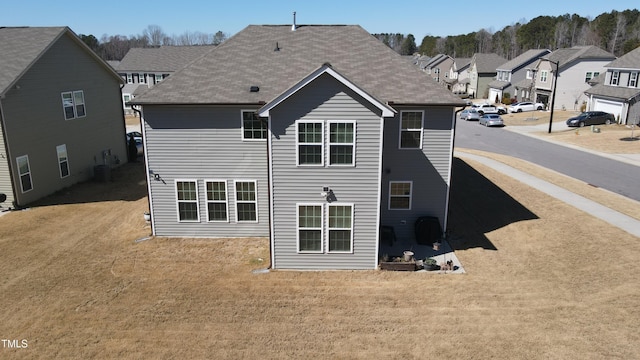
(513, 72)
(618, 91)
(142, 68)
(482, 71)
(439, 67)
(292, 137)
(578, 65)
(60, 111)
(460, 72)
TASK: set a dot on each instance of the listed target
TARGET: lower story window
(217, 200)
(340, 228)
(63, 160)
(25, 173)
(246, 201)
(310, 228)
(400, 195)
(187, 199)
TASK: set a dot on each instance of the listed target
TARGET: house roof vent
(254, 89)
(294, 26)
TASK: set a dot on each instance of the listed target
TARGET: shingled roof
(161, 59)
(487, 63)
(568, 55)
(274, 58)
(21, 47)
(630, 60)
(523, 59)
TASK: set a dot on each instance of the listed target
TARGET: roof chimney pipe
(293, 27)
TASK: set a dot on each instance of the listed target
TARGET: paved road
(616, 176)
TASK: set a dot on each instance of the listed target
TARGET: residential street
(597, 170)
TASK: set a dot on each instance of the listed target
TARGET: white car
(525, 106)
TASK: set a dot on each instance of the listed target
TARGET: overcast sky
(415, 17)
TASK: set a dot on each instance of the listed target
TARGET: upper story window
(141, 78)
(25, 173)
(633, 79)
(73, 104)
(129, 78)
(588, 76)
(217, 200)
(187, 200)
(253, 127)
(342, 143)
(615, 78)
(309, 139)
(126, 98)
(411, 123)
(544, 74)
(158, 78)
(63, 160)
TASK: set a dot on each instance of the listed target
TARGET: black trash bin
(428, 230)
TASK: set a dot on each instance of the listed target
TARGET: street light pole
(553, 97)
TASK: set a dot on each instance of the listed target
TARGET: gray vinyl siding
(6, 186)
(35, 122)
(323, 100)
(428, 169)
(202, 143)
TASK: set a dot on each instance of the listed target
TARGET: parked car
(137, 137)
(591, 118)
(489, 109)
(491, 120)
(469, 114)
(525, 106)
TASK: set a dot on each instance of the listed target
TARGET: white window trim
(125, 101)
(633, 79)
(196, 201)
(615, 78)
(27, 173)
(235, 198)
(157, 78)
(226, 197)
(129, 78)
(141, 79)
(329, 228)
(321, 143)
(410, 195)
(352, 144)
(400, 130)
(321, 228)
(60, 162)
(544, 75)
(74, 104)
(242, 112)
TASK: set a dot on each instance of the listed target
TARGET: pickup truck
(489, 109)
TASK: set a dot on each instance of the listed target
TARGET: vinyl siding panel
(35, 122)
(202, 143)
(323, 100)
(427, 168)
(6, 186)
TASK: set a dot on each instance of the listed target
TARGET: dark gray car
(591, 118)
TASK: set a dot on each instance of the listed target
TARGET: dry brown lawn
(543, 281)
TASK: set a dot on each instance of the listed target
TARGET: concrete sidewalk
(615, 218)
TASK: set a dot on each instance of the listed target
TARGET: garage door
(493, 93)
(613, 107)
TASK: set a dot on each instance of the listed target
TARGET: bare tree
(483, 39)
(155, 35)
(618, 32)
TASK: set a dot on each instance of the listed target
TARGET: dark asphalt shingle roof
(161, 59)
(567, 55)
(523, 59)
(630, 60)
(224, 75)
(487, 63)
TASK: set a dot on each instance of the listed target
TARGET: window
(614, 78)
(73, 104)
(158, 78)
(141, 78)
(342, 143)
(253, 127)
(340, 228)
(543, 76)
(246, 201)
(309, 228)
(588, 76)
(633, 79)
(529, 74)
(217, 200)
(187, 198)
(411, 129)
(126, 98)
(129, 78)
(25, 173)
(309, 143)
(63, 161)
(400, 195)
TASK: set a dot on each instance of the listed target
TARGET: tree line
(115, 47)
(617, 32)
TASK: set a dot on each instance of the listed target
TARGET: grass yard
(543, 281)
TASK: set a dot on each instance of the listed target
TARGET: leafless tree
(483, 39)
(155, 35)
(619, 31)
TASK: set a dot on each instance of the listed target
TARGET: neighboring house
(618, 91)
(291, 137)
(460, 75)
(142, 68)
(439, 67)
(60, 112)
(482, 71)
(577, 66)
(513, 72)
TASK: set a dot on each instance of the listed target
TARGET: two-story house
(513, 72)
(575, 67)
(619, 91)
(460, 75)
(142, 68)
(482, 71)
(439, 67)
(293, 137)
(60, 113)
